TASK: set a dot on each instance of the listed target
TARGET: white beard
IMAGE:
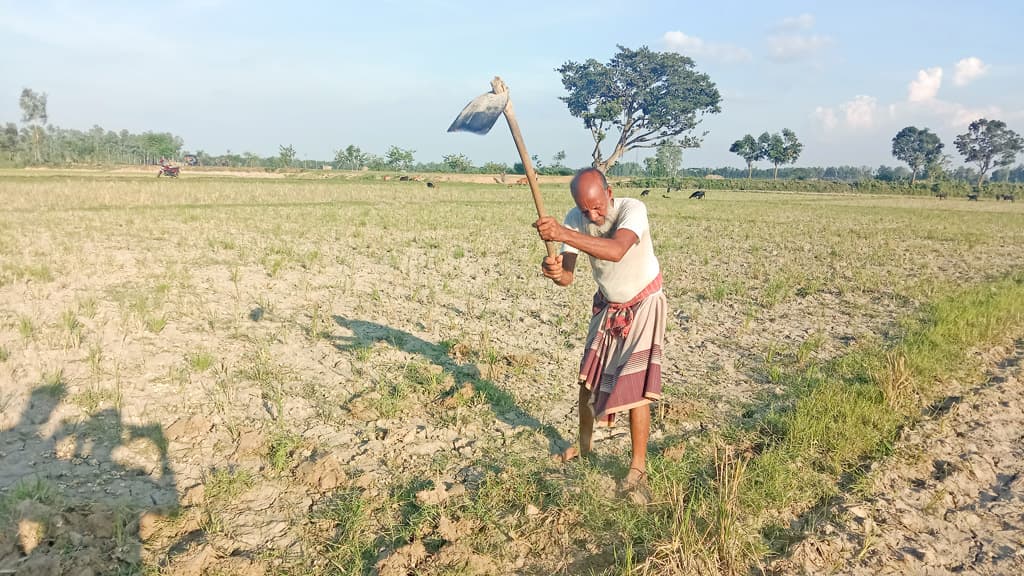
(610, 219)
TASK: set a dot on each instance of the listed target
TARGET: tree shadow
(502, 404)
(68, 501)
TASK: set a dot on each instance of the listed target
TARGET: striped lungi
(622, 361)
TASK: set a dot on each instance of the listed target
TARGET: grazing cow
(698, 194)
(1004, 197)
(386, 178)
(973, 197)
(645, 193)
(405, 178)
(431, 185)
(665, 196)
(522, 181)
(941, 195)
(498, 180)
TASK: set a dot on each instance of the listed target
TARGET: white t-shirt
(621, 281)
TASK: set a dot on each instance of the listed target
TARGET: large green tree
(751, 150)
(646, 96)
(918, 148)
(33, 111)
(989, 143)
(783, 149)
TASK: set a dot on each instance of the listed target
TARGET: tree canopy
(647, 96)
(399, 159)
(918, 148)
(989, 143)
(751, 150)
(782, 149)
(33, 111)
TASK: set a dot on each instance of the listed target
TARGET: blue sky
(249, 76)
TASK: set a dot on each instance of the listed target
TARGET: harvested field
(345, 375)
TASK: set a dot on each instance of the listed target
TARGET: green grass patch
(722, 511)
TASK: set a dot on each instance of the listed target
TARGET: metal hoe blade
(480, 115)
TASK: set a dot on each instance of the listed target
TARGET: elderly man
(621, 367)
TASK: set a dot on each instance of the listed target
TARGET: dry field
(344, 375)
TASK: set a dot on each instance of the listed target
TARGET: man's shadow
(501, 402)
(66, 490)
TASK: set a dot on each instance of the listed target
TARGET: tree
(457, 162)
(557, 159)
(286, 154)
(33, 111)
(495, 168)
(918, 148)
(987, 143)
(750, 150)
(351, 158)
(670, 155)
(647, 96)
(399, 159)
(783, 149)
(9, 140)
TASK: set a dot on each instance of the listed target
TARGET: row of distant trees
(37, 141)
(987, 143)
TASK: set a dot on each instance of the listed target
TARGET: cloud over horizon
(968, 70)
(678, 41)
(926, 86)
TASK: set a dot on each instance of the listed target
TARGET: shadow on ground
(72, 492)
(501, 402)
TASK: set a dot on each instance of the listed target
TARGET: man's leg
(639, 431)
(586, 422)
(586, 429)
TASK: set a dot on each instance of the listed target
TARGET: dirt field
(246, 375)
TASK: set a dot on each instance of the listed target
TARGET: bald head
(587, 179)
(592, 194)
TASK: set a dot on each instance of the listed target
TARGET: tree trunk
(776, 176)
(750, 170)
(913, 177)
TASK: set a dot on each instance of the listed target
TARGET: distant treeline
(953, 188)
(57, 146)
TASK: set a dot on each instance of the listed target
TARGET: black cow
(698, 194)
(973, 197)
(431, 185)
(645, 193)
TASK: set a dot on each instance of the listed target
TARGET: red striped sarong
(621, 364)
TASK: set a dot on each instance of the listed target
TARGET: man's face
(594, 202)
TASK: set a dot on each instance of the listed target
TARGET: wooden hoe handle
(499, 86)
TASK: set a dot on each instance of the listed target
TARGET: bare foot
(570, 453)
(634, 479)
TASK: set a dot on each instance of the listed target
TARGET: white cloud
(804, 21)
(860, 112)
(789, 47)
(969, 69)
(855, 114)
(827, 118)
(926, 86)
(677, 41)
